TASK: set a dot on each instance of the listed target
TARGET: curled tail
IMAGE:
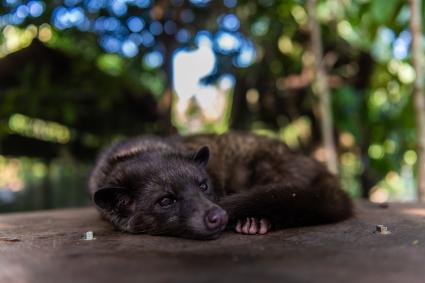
(335, 204)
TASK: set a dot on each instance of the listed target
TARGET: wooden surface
(47, 247)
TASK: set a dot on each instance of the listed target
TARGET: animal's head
(163, 194)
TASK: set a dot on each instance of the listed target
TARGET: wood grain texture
(47, 247)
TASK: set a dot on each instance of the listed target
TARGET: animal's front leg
(252, 226)
(287, 205)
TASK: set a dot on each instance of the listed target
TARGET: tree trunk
(326, 120)
(419, 102)
(165, 105)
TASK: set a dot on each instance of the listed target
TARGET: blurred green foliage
(366, 53)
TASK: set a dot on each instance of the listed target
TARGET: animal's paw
(252, 226)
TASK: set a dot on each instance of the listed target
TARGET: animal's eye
(203, 186)
(166, 201)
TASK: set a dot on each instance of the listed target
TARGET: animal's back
(241, 160)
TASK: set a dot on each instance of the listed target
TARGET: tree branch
(326, 117)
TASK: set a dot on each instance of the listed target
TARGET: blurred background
(78, 74)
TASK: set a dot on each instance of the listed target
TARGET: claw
(245, 228)
(253, 227)
(264, 226)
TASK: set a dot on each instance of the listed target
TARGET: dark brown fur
(248, 176)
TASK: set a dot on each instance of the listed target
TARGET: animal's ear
(116, 199)
(202, 155)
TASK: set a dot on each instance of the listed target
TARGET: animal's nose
(216, 218)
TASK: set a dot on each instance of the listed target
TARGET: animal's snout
(216, 218)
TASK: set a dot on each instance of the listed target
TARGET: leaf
(383, 10)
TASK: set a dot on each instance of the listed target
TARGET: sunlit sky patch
(229, 22)
(226, 81)
(246, 55)
(153, 59)
(118, 7)
(36, 8)
(147, 39)
(203, 38)
(143, 3)
(64, 18)
(129, 48)
(386, 35)
(190, 66)
(200, 3)
(230, 3)
(135, 24)
(227, 42)
(11, 2)
(382, 46)
(110, 44)
(388, 45)
(401, 45)
(22, 11)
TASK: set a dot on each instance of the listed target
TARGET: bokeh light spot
(230, 22)
(147, 39)
(227, 42)
(129, 48)
(143, 3)
(200, 3)
(135, 24)
(170, 27)
(153, 59)
(183, 36)
(230, 3)
(155, 28)
(410, 157)
(246, 55)
(187, 16)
